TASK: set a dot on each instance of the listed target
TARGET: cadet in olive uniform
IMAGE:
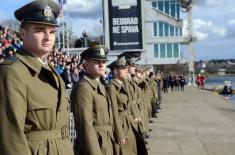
(145, 99)
(122, 104)
(34, 107)
(91, 106)
(138, 96)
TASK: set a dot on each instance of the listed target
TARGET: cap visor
(43, 23)
(98, 59)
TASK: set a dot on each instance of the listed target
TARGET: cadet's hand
(136, 120)
(139, 119)
(122, 141)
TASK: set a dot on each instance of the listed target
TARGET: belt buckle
(64, 132)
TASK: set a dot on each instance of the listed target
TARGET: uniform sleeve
(81, 99)
(134, 106)
(13, 109)
(153, 92)
(118, 130)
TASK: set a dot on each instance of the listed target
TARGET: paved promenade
(193, 122)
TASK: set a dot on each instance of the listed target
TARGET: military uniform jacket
(138, 92)
(93, 117)
(34, 109)
(121, 106)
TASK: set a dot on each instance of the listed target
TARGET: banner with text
(125, 24)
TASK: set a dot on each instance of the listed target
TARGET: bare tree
(13, 24)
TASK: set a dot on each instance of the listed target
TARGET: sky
(213, 24)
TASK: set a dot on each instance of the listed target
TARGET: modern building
(163, 32)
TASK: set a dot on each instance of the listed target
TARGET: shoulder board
(82, 82)
(108, 85)
(9, 61)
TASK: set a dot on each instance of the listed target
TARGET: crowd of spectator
(67, 66)
(9, 43)
(174, 81)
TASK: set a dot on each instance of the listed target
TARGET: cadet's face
(95, 68)
(138, 75)
(122, 73)
(38, 39)
(132, 70)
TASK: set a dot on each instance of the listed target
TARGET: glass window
(169, 50)
(161, 29)
(181, 33)
(167, 7)
(156, 51)
(178, 10)
(176, 50)
(160, 6)
(173, 11)
(177, 31)
(172, 30)
(166, 29)
(154, 4)
(162, 51)
(155, 29)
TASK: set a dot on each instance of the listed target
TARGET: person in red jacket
(202, 81)
(198, 82)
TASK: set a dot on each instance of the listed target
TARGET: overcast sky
(214, 23)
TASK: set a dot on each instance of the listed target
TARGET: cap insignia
(47, 12)
(102, 51)
(122, 60)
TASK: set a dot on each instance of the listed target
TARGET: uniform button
(59, 110)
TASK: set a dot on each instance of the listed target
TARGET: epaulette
(108, 85)
(9, 61)
(82, 82)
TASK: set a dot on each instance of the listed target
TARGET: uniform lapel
(29, 60)
(125, 86)
(62, 90)
(101, 89)
(93, 82)
(55, 76)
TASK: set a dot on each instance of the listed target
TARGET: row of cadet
(113, 113)
(110, 119)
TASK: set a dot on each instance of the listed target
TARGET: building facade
(163, 32)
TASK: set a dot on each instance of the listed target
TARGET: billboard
(125, 24)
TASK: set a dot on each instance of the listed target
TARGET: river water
(219, 80)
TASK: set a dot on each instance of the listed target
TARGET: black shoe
(150, 130)
(147, 136)
(154, 116)
(151, 121)
(145, 142)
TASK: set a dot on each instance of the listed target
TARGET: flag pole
(58, 33)
(63, 31)
(67, 28)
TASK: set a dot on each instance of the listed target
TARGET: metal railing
(72, 131)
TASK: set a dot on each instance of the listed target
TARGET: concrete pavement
(193, 122)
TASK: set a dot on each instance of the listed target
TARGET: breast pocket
(38, 106)
(100, 110)
(99, 103)
(38, 101)
(122, 100)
